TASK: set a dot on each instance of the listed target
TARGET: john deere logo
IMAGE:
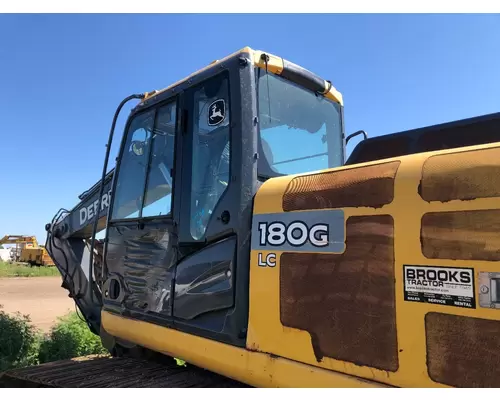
(216, 112)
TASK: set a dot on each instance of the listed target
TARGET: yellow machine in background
(26, 249)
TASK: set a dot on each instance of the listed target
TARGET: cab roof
(274, 64)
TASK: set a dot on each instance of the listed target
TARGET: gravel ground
(42, 298)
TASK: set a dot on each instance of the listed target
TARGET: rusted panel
(461, 176)
(346, 301)
(463, 351)
(461, 235)
(371, 186)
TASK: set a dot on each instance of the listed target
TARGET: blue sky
(62, 76)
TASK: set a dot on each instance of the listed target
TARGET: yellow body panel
(280, 356)
(253, 368)
(266, 332)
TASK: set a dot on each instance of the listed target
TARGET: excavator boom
(17, 239)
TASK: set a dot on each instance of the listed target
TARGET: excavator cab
(177, 235)
(176, 211)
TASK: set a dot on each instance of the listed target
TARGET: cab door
(142, 240)
(205, 285)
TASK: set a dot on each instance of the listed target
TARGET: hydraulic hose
(101, 187)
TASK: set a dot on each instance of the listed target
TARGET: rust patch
(461, 176)
(461, 235)
(462, 351)
(371, 186)
(346, 301)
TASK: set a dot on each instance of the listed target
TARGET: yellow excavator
(26, 249)
(238, 236)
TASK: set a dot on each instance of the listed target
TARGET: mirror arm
(361, 132)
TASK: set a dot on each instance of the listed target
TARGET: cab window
(158, 195)
(211, 152)
(133, 167)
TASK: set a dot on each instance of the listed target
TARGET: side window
(158, 197)
(133, 165)
(211, 152)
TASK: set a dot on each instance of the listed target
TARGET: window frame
(175, 99)
(263, 164)
(118, 168)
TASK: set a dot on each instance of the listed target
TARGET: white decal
(216, 112)
(267, 261)
(87, 213)
(316, 231)
(295, 234)
(439, 285)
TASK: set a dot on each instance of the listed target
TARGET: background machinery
(238, 237)
(26, 249)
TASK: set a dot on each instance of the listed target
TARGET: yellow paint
(335, 95)
(149, 94)
(274, 63)
(254, 368)
(26, 241)
(267, 334)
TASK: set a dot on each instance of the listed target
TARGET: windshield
(300, 131)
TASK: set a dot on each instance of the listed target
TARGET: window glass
(211, 152)
(158, 198)
(300, 131)
(132, 169)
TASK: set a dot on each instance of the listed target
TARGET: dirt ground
(42, 298)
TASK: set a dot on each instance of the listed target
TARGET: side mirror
(356, 134)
